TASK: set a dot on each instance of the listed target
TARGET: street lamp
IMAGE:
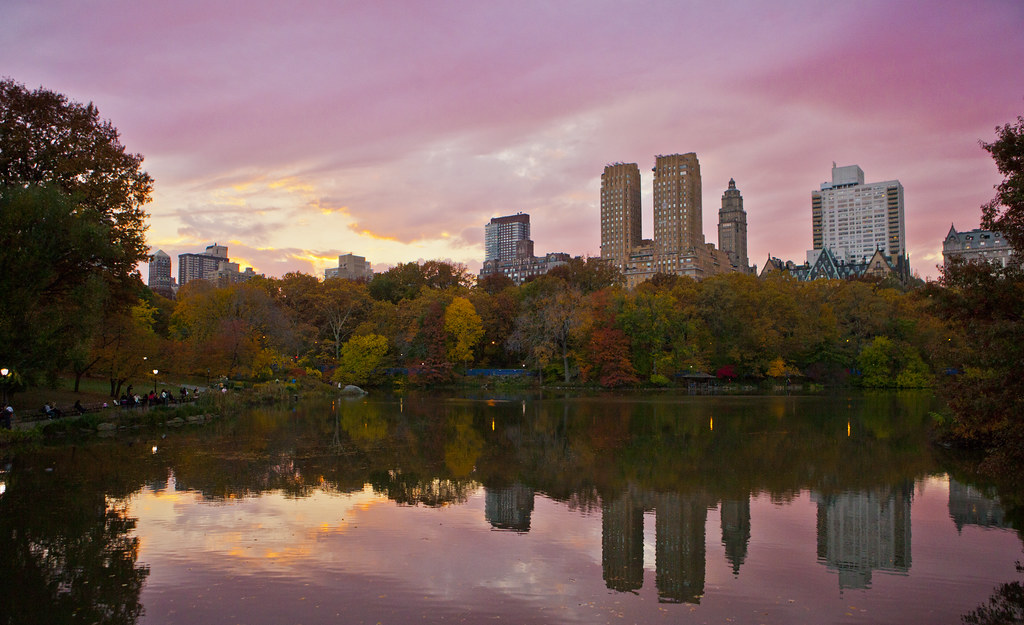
(155, 371)
(4, 372)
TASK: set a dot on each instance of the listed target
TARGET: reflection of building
(976, 245)
(736, 531)
(160, 280)
(350, 267)
(861, 532)
(680, 549)
(622, 543)
(969, 506)
(509, 508)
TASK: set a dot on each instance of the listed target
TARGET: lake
(517, 508)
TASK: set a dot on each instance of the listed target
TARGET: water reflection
(813, 498)
(865, 531)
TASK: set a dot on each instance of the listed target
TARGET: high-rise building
(732, 227)
(678, 222)
(620, 213)
(350, 267)
(509, 250)
(678, 246)
(853, 219)
(503, 234)
(201, 266)
(160, 280)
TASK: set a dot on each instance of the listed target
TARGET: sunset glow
(396, 130)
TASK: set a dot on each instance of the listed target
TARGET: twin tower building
(678, 246)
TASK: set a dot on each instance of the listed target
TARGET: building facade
(201, 266)
(509, 250)
(678, 246)
(350, 267)
(976, 245)
(732, 227)
(213, 266)
(160, 280)
(854, 219)
(620, 213)
(503, 235)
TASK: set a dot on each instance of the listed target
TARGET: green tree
(984, 304)
(45, 139)
(52, 285)
(1005, 212)
(72, 207)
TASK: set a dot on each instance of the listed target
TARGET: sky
(296, 132)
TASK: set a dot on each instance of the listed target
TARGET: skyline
(396, 131)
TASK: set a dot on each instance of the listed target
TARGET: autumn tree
(549, 316)
(126, 346)
(463, 330)
(361, 359)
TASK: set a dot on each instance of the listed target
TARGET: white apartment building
(854, 219)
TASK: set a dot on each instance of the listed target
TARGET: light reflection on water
(537, 510)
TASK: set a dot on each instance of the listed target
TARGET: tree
(361, 358)
(463, 329)
(51, 284)
(71, 225)
(1005, 212)
(547, 322)
(984, 305)
(45, 139)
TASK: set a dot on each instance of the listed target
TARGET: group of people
(132, 400)
(128, 399)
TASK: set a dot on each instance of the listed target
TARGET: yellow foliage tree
(463, 330)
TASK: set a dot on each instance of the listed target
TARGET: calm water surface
(518, 509)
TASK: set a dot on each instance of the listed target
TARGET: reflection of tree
(1005, 606)
(66, 555)
(411, 489)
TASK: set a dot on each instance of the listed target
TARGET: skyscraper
(201, 266)
(503, 234)
(732, 227)
(678, 246)
(160, 274)
(620, 213)
(853, 219)
(678, 222)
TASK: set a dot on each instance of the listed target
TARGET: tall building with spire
(732, 228)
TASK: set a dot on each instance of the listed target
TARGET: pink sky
(395, 130)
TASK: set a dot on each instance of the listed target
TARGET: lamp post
(155, 371)
(4, 373)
